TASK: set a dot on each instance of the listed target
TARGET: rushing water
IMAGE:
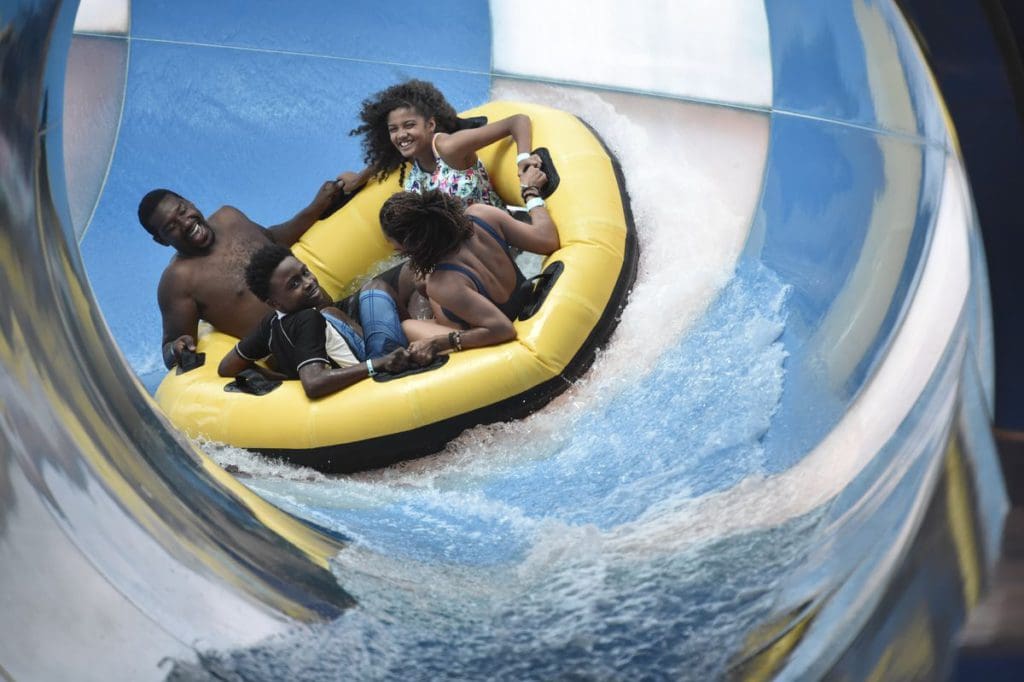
(536, 549)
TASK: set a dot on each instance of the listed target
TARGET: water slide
(779, 467)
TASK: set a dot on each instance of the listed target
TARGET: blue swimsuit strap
(476, 281)
(454, 267)
(491, 231)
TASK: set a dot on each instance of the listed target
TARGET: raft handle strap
(470, 122)
(540, 286)
(439, 361)
(548, 166)
(190, 360)
(339, 200)
(252, 382)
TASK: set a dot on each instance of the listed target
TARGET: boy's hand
(396, 361)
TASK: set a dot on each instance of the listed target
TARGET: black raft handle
(339, 200)
(547, 165)
(439, 361)
(540, 286)
(470, 122)
(252, 382)
(189, 360)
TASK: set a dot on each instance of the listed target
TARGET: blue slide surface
(780, 466)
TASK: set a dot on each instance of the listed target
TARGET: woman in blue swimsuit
(411, 127)
(462, 258)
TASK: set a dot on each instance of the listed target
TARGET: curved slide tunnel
(789, 148)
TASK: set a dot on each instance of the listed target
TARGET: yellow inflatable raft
(376, 423)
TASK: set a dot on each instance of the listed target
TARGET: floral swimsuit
(471, 186)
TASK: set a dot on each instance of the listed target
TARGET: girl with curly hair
(462, 256)
(411, 127)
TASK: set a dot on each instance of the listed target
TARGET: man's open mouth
(195, 230)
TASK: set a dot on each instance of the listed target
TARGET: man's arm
(488, 326)
(254, 346)
(320, 379)
(351, 181)
(180, 315)
(287, 233)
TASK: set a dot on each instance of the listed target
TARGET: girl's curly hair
(429, 226)
(421, 96)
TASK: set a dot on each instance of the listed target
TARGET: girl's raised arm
(459, 149)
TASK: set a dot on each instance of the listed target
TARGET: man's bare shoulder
(179, 269)
(231, 218)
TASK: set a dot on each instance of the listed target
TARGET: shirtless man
(205, 278)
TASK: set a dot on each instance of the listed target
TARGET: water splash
(531, 549)
(497, 557)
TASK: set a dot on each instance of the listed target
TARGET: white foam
(914, 356)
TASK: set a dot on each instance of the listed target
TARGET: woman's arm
(459, 149)
(540, 236)
(488, 326)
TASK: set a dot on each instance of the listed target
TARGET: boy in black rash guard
(310, 338)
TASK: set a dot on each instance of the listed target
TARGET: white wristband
(534, 203)
(369, 368)
(523, 157)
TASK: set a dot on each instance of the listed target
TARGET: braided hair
(429, 226)
(424, 98)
